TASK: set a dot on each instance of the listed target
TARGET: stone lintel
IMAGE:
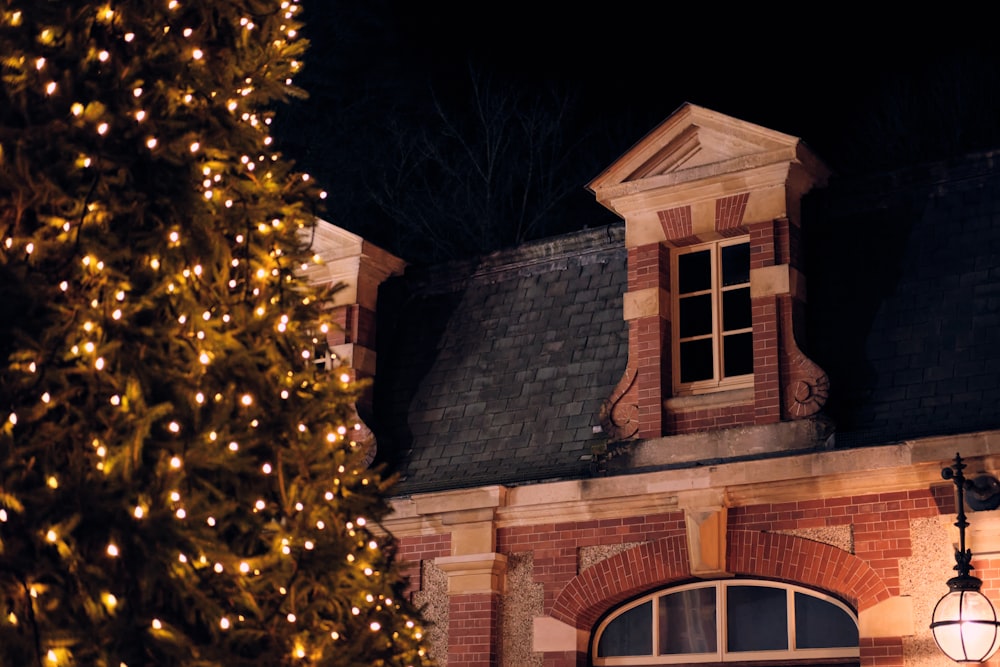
(646, 303)
(461, 499)
(889, 618)
(474, 573)
(767, 201)
(550, 634)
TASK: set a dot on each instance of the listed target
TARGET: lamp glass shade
(965, 626)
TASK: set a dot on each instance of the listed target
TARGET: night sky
(864, 90)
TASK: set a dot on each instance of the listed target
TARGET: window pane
(736, 309)
(696, 360)
(757, 618)
(687, 622)
(737, 355)
(735, 264)
(695, 315)
(629, 634)
(694, 272)
(819, 624)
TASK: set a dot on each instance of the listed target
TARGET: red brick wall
(473, 630)
(415, 550)
(881, 523)
(756, 547)
(556, 546)
(883, 652)
(649, 339)
(707, 419)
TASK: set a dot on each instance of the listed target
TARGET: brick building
(711, 433)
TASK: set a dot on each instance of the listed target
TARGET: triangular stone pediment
(694, 149)
(695, 142)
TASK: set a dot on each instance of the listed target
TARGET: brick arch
(798, 560)
(768, 555)
(613, 580)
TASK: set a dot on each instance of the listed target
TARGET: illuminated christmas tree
(178, 480)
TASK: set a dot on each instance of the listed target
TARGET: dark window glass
(819, 624)
(695, 315)
(737, 355)
(629, 634)
(757, 619)
(736, 309)
(694, 272)
(697, 360)
(687, 622)
(735, 264)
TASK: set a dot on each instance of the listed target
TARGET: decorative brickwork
(556, 546)
(599, 588)
(729, 214)
(676, 223)
(794, 559)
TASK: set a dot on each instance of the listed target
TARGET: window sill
(713, 399)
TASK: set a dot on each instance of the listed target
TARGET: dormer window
(707, 201)
(712, 323)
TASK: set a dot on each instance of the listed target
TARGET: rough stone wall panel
(520, 604)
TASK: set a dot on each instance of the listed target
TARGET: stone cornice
(827, 474)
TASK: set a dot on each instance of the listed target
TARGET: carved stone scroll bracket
(620, 411)
(807, 386)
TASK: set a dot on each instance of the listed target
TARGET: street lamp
(964, 623)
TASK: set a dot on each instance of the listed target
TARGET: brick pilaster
(473, 630)
(649, 334)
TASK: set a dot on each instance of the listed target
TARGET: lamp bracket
(983, 493)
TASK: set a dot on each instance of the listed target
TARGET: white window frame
(718, 382)
(721, 655)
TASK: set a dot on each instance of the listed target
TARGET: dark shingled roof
(494, 372)
(904, 300)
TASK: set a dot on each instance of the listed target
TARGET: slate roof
(494, 372)
(904, 300)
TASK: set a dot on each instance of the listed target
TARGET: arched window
(733, 620)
